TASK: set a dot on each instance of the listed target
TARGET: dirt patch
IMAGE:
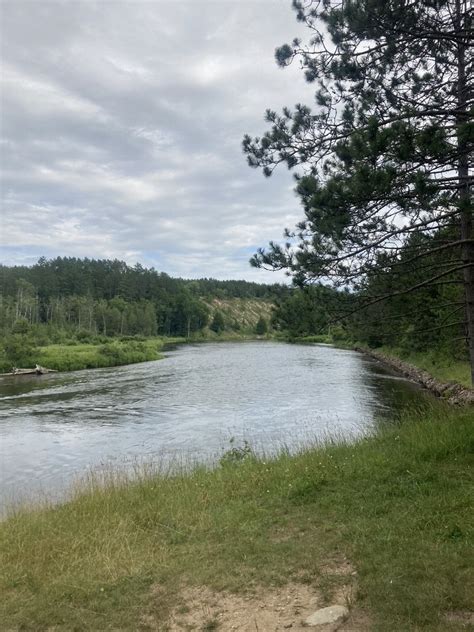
(341, 567)
(267, 610)
(464, 618)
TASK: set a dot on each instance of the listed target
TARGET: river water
(187, 406)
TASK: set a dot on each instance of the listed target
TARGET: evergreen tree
(386, 153)
(218, 323)
(261, 327)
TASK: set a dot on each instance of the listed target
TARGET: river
(187, 406)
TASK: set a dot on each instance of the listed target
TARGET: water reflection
(54, 427)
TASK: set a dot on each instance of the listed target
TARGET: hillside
(241, 313)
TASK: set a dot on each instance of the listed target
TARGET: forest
(430, 319)
(87, 300)
(68, 300)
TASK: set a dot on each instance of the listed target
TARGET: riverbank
(443, 376)
(383, 526)
(110, 352)
(455, 391)
(74, 357)
(441, 367)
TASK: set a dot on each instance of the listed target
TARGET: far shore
(447, 379)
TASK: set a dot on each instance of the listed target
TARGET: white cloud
(122, 125)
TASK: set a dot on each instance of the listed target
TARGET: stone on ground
(325, 616)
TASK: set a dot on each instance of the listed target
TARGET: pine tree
(386, 153)
(218, 323)
(261, 327)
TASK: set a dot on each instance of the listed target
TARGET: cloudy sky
(122, 125)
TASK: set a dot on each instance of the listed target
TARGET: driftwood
(38, 370)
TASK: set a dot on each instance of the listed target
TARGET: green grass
(75, 356)
(438, 365)
(115, 352)
(398, 505)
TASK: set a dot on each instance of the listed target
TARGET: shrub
(18, 349)
(262, 326)
(218, 322)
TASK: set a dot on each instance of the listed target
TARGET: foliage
(18, 349)
(236, 454)
(218, 323)
(384, 157)
(307, 311)
(430, 319)
(261, 328)
(92, 356)
(66, 298)
(438, 363)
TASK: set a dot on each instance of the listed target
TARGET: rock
(332, 614)
(453, 392)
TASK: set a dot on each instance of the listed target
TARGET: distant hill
(84, 297)
(241, 313)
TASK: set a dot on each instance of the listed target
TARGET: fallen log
(38, 370)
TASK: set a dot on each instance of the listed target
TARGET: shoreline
(381, 526)
(453, 392)
(115, 352)
(66, 358)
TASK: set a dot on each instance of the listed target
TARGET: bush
(21, 326)
(261, 327)
(218, 322)
(18, 349)
(83, 335)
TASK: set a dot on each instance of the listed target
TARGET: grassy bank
(71, 357)
(397, 506)
(109, 352)
(438, 365)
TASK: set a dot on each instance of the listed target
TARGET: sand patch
(464, 618)
(267, 610)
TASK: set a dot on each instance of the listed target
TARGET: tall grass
(398, 505)
(114, 352)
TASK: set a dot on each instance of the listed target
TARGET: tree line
(110, 298)
(430, 319)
